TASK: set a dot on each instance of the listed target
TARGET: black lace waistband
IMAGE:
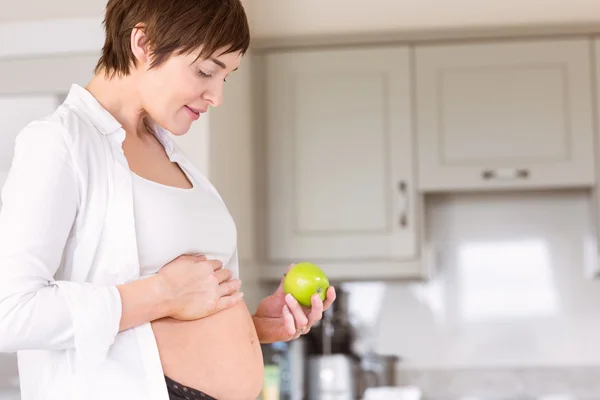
(178, 391)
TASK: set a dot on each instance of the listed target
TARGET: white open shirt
(67, 238)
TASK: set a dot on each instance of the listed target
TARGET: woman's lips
(194, 112)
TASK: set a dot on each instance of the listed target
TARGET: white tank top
(171, 221)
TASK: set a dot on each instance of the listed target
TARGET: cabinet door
(340, 163)
(505, 115)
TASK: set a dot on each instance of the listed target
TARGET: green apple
(305, 279)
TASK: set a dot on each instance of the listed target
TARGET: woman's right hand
(196, 287)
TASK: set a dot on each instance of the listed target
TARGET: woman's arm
(39, 203)
(143, 301)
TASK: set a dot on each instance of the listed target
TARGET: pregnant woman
(118, 260)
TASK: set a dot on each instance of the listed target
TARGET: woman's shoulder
(65, 127)
(46, 133)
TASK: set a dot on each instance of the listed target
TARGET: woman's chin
(179, 129)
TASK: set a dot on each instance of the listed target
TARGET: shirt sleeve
(234, 265)
(40, 200)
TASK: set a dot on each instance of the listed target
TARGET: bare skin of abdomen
(219, 355)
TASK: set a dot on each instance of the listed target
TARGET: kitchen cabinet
(340, 163)
(505, 115)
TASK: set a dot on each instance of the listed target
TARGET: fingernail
(286, 309)
(289, 297)
(241, 294)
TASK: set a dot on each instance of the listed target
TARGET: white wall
(511, 289)
(35, 10)
(276, 18)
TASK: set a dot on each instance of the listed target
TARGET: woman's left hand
(280, 317)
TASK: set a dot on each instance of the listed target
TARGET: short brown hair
(172, 27)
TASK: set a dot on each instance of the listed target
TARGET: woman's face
(179, 91)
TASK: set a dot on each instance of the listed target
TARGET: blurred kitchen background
(439, 160)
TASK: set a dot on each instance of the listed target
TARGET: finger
(223, 275)
(280, 287)
(215, 264)
(229, 287)
(229, 301)
(330, 298)
(288, 322)
(193, 257)
(316, 311)
(300, 318)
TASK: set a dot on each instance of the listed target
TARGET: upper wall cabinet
(340, 161)
(516, 114)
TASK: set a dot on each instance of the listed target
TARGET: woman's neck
(120, 98)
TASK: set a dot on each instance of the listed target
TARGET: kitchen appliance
(332, 377)
(293, 378)
(333, 370)
(340, 334)
(327, 364)
(285, 370)
(378, 370)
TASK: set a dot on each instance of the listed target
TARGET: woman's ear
(139, 44)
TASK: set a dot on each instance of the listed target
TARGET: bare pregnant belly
(219, 355)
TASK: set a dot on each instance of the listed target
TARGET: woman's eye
(205, 75)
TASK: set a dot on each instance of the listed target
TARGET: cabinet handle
(505, 173)
(403, 192)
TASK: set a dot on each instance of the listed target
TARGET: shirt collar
(84, 101)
